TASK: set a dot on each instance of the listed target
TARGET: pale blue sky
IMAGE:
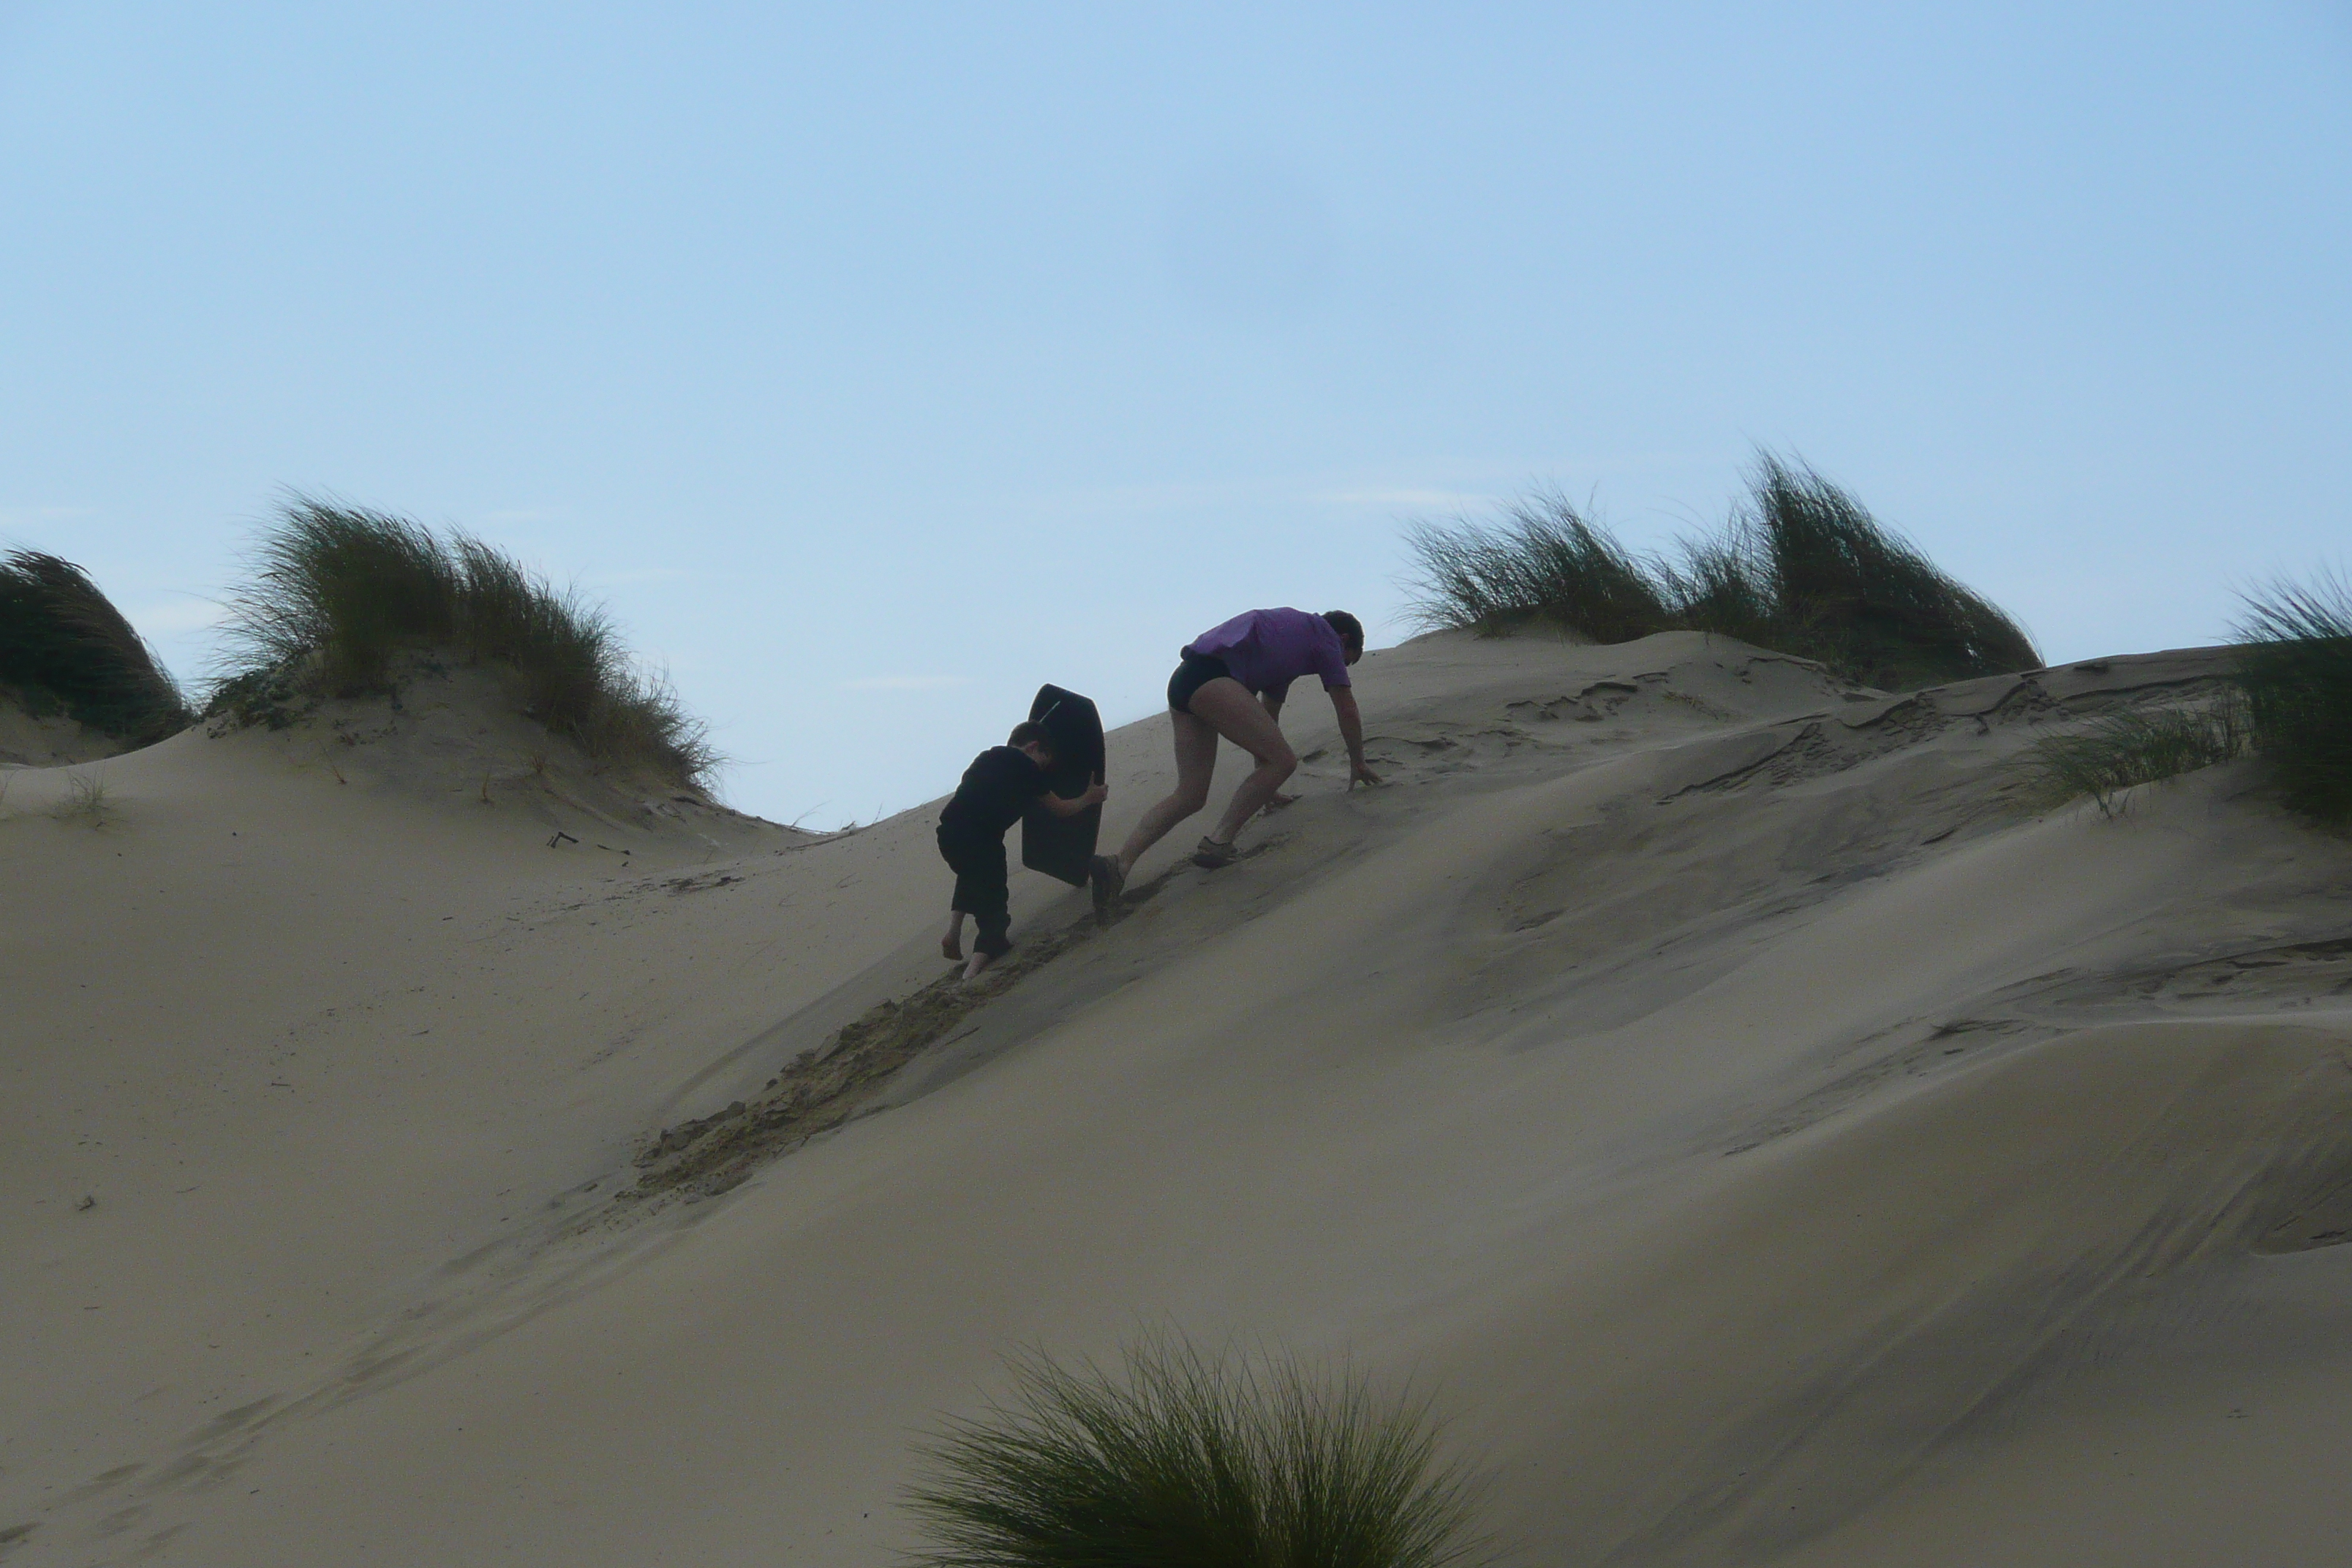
(876, 364)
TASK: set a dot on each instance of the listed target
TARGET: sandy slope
(1766, 1146)
(50, 741)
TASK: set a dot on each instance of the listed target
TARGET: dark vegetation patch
(2297, 673)
(338, 595)
(1183, 1460)
(66, 649)
(1802, 568)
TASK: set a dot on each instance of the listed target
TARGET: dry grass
(86, 801)
(338, 593)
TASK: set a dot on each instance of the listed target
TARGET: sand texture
(47, 740)
(1766, 1140)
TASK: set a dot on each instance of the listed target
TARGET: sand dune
(1766, 1142)
(49, 740)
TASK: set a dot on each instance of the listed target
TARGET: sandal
(1209, 854)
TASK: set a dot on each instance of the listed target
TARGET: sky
(876, 364)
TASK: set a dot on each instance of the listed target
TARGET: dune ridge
(1769, 1141)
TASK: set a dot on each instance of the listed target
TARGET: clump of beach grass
(340, 594)
(2295, 669)
(1801, 567)
(1545, 562)
(65, 648)
(2117, 752)
(1842, 587)
(2289, 701)
(1190, 1461)
(86, 801)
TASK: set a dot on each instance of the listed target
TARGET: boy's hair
(1351, 629)
(1029, 732)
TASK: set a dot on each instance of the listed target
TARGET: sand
(1765, 1140)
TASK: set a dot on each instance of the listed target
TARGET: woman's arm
(1352, 730)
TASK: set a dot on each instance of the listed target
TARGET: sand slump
(1755, 1132)
(821, 1091)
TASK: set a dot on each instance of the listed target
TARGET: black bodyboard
(1063, 847)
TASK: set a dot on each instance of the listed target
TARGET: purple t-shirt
(1268, 649)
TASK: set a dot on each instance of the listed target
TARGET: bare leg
(1196, 765)
(1239, 718)
(951, 943)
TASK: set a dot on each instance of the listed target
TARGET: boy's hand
(1096, 796)
(1360, 774)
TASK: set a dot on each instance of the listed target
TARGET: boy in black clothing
(996, 790)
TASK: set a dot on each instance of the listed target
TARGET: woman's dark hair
(1029, 732)
(1351, 629)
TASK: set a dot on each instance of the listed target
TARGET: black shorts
(981, 890)
(1197, 671)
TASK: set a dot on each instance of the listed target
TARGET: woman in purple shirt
(1233, 683)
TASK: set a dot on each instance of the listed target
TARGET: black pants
(1197, 671)
(980, 890)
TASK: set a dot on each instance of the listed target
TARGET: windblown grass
(2290, 703)
(1190, 1462)
(1544, 562)
(339, 593)
(1848, 591)
(2297, 673)
(65, 648)
(1802, 567)
(2117, 751)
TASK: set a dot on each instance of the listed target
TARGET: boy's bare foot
(950, 949)
(980, 960)
(1108, 881)
(1209, 854)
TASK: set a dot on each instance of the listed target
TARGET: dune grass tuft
(2290, 702)
(65, 648)
(86, 800)
(1848, 591)
(340, 593)
(1544, 562)
(2117, 751)
(2297, 672)
(1187, 1461)
(1803, 568)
